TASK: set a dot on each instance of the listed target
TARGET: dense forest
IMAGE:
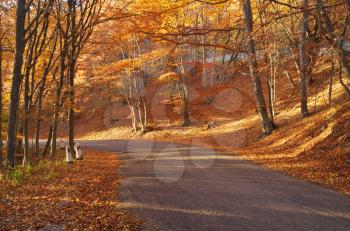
(47, 45)
(270, 76)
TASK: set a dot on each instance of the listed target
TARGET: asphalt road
(183, 187)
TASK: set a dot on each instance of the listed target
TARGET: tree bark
(25, 119)
(47, 145)
(38, 115)
(330, 89)
(185, 106)
(303, 60)
(267, 125)
(57, 107)
(58, 98)
(71, 70)
(16, 82)
(290, 79)
(345, 87)
(1, 141)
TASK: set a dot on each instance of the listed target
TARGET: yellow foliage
(167, 77)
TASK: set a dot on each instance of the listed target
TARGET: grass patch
(47, 170)
(15, 176)
(42, 170)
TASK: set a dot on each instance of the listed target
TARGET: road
(183, 187)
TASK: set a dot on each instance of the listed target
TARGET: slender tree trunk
(133, 117)
(19, 144)
(204, 53)
(131, 99)
(290, 79)
(145, 111)
(270, 97)
(110, 110)
(71, 107)
(32, 48)
(25, 119)
(1, 141)
(267, 124)
(38, 118)
(26, 97)
(57, 111)
(303, 60)
(47, 145)
(345, 87)
(58, 98)
(16, 82)
(330, 89)
(71, 69)
(271, 84)
(185, 104)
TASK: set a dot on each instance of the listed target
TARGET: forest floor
(316, 149)
(60, 196)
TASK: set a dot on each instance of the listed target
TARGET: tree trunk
(185, 106)
(57, 107)
(71, 107)
(1, 141)
(290, 79)
(345, 87)
(145, 111)
(330, 89)
(270, 97)
(25, 119)
(204, 53)
(133, 117)
(71, 69)
(16, 82)
(110, 105)
(38, 125)
(58, 99)
(303, 60)
(267, 124)
(47, 145)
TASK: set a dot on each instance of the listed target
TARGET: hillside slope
(314, 149)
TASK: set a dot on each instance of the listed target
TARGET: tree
(58, 101)
(16, 82)
(82, 17)
(38, 44)
(329, 34)
(2, 36)
(303, 59)
(267, 125)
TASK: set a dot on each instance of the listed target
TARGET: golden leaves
(167, 77)
(72, 200)
(133, 64)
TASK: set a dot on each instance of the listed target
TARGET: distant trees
(134, 86)
(287, 37)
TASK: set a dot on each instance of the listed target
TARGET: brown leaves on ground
(82, 197)
(316, 149)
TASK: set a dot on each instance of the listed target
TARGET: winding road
(182, 187)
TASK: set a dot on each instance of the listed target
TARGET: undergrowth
(43, 170)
